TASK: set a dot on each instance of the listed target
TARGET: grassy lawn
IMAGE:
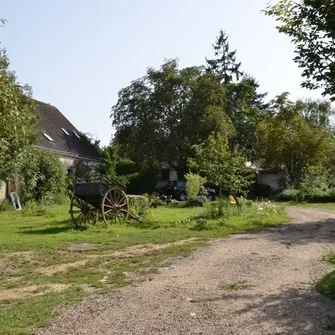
(46, 263)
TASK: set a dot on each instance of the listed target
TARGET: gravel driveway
(257, 283)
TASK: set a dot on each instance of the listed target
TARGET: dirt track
(257, 283)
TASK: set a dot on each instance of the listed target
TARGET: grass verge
(323, 205)
(326, 285)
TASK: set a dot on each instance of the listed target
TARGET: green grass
(326, 285)
(35, 242)
(326, 205)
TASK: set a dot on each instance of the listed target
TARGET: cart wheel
(115, 206)
(82, 213)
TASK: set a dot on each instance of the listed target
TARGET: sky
(77, 54)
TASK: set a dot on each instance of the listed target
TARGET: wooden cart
(94, 199)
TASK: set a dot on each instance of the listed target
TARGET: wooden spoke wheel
(115, 206)
(82, 213)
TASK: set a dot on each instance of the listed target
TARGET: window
(64, 130)
(74, 132)
(48, 137)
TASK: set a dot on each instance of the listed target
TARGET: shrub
(290, 195)
(140, 207)
(216, 209)
(245, 202)
(194, 182)
(201, 224)
(6, 206)
(195, 201)
(156, 201)
(42, 178)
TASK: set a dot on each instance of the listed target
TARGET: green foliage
(317, 185)
(114, 166)
(17, 118)
(217, 209)
(200, 224)
(224, 66)
(195, 201)
(193, 184)
(245, 108)
(288, 139)
(290, 195)
(140, 207)
(160, 116)
(311, 26)
(319, 113)
(326, 285)
(221, 165)
(317, 177)
(5, 205)
(42, 178)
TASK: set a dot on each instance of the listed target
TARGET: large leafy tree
(224, 65)
(289, 140)
(159, 117)
(245, 108)
(311, 26)
(17, 118)
(221, 165)
(318, 112)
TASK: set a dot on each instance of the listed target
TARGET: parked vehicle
(177, 189)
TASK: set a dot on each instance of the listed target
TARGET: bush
(312, 195)
(140, 207)
(6, 206)
(195, 201)
(201, 224)
(193, 184)
(216, 209)
(42, 178)
(290, 195)
(245, 202)
(156, 201)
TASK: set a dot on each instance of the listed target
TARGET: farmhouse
(59, 136)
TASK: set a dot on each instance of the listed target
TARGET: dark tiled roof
(51, 121)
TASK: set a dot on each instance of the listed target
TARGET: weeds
(234, 286)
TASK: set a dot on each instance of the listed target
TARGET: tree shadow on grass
(59, 227)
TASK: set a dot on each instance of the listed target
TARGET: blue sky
(77, 54)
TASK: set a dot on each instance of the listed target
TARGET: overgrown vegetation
(193, 184)
(42, 177)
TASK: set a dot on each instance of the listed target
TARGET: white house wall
(3, 191)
